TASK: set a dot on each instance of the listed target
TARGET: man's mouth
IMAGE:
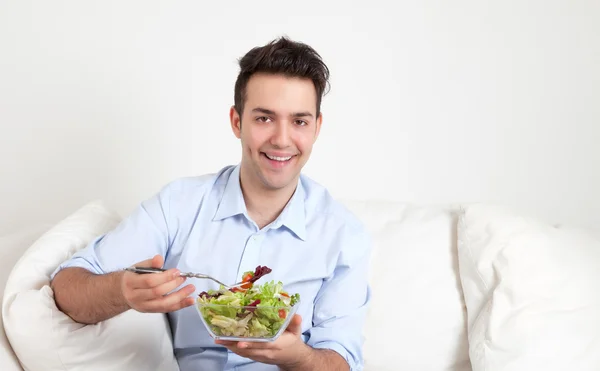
(278, 158)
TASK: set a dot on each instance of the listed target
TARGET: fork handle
(145, 270)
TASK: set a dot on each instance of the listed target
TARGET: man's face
(277, 130)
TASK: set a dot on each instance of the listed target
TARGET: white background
(431, 101)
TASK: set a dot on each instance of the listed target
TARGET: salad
(249, 311)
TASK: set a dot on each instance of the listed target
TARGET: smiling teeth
(278, 158)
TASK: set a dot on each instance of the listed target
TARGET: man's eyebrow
(263, 110)
(302, 114)
(272, 113)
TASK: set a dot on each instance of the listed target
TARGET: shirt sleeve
(341, 304)
(138, 237)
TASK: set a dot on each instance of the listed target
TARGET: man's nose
(281, 134)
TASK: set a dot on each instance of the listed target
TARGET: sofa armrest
(12, 246)
(8, 359)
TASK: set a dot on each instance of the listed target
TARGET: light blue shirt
(200, 224)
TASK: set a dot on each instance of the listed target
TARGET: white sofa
(477, 288)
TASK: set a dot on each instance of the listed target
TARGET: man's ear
(236, 122)
(318, 125)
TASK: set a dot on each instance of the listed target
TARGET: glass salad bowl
(252, 323)
(248, 313)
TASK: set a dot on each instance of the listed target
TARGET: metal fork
(144, 270)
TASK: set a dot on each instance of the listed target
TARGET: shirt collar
(293, 215)
(232, 203)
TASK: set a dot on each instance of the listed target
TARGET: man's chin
(279, 183)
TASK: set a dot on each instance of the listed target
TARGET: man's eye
(262, 119)
(301, 122)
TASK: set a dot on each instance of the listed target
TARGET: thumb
(295, 326)
(156, 262)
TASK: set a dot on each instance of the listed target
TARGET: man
(262, 211)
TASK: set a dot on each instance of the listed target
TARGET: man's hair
(286, 57)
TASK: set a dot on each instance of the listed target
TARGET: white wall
(431, 102)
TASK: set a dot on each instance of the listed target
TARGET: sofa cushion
(417, 319)
(532, 292)
(12, 246)
(44, 338)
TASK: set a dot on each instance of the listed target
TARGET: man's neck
(264, 205)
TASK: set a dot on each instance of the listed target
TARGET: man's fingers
(230, 344)
(168, 286)
(155, 262)
(252, 352)
(170, 301)
(243, 345)
(146, 294)
(150, 280)
(186, 302)
(246, 345)
(136, 280)
(295, 325)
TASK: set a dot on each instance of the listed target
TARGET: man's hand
(148, 292)
(289, 352)
(286, 350)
